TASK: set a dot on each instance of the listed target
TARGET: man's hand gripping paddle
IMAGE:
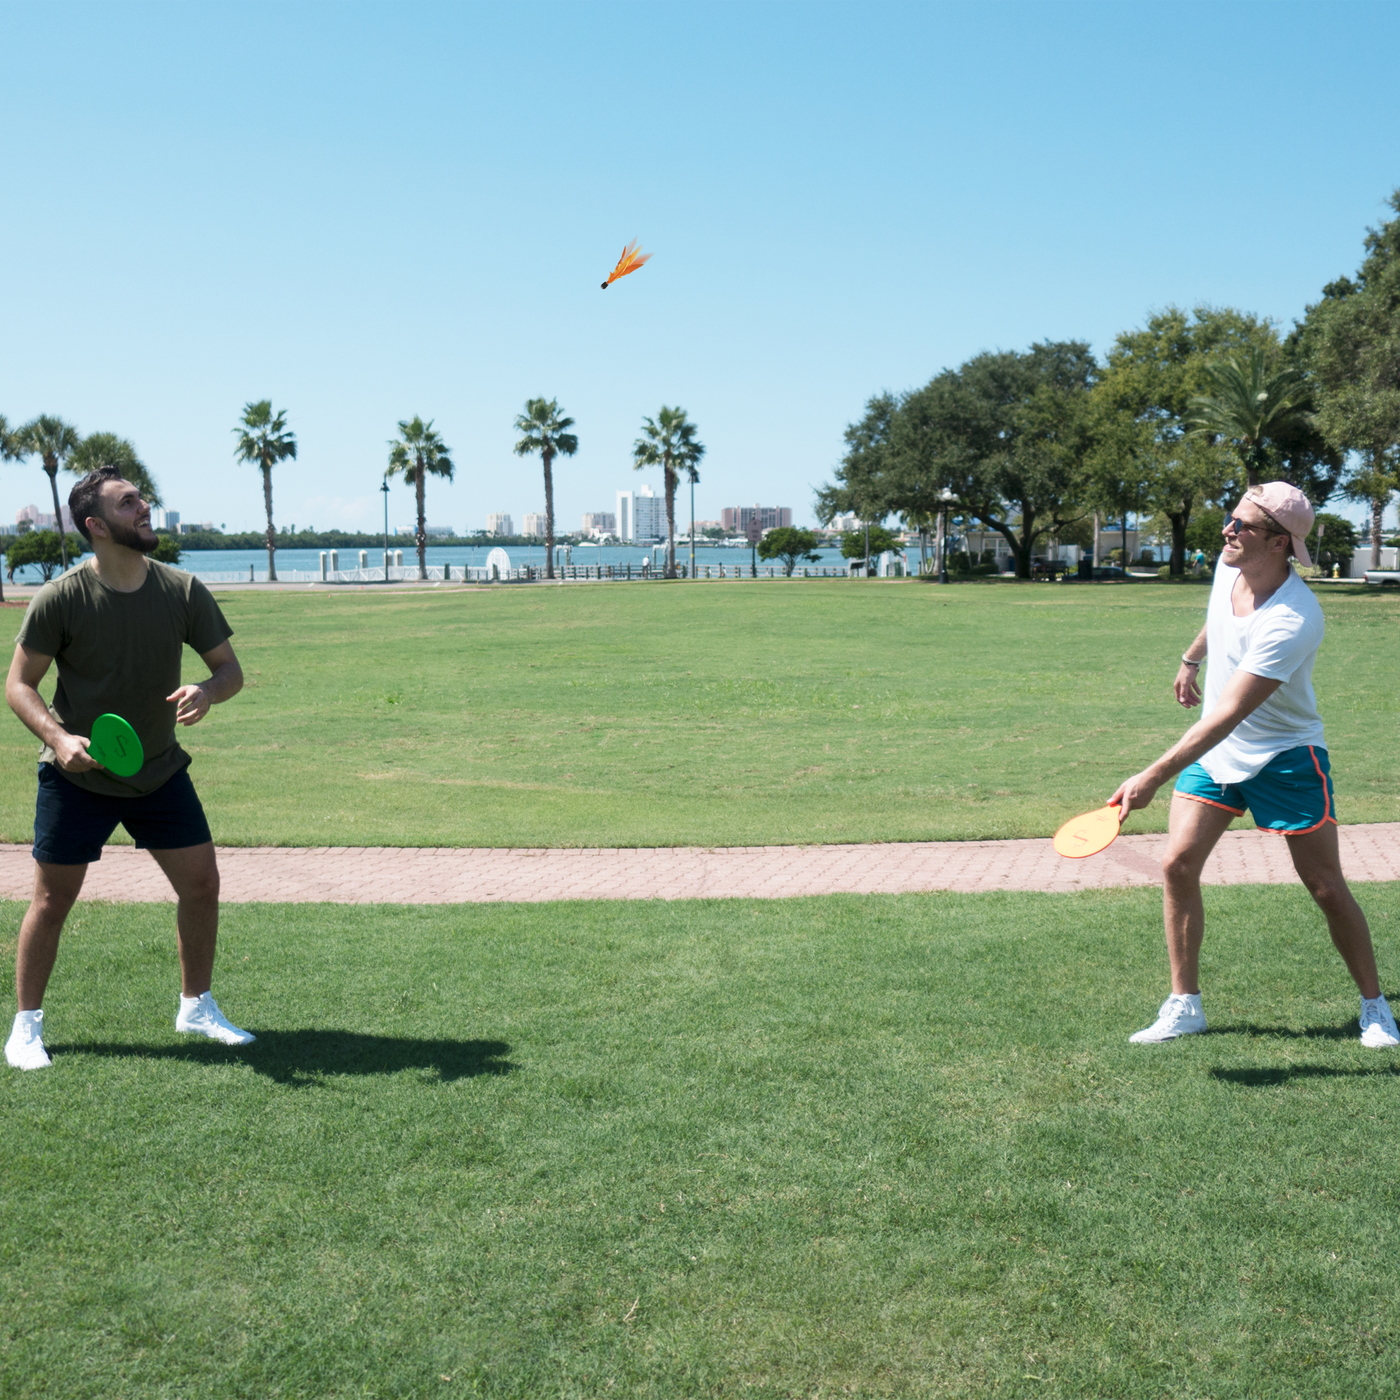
(1089, 833)
(115, 746)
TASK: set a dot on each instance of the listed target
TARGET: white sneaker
(25, 1047)
(1180, 1015)
(201, 1016)
(1378, 1031)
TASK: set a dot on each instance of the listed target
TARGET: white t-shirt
(1279, 642)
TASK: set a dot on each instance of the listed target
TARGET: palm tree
(263, 439)
(1249, 405)
(53, 441)
(669, 442)
(417, 452)
(109, 450)
(546, 432)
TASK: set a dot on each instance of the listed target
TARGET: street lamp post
(945, 497)
(692, 527)
(385, 489)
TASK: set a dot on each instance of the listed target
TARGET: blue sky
(370, 211)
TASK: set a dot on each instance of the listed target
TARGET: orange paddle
(1088, 834)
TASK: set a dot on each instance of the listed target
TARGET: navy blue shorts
(71, 824)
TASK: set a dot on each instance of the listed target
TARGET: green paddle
(115, 746)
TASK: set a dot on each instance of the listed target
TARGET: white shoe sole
(218, 1033)
(39, 1061)
(1374, 1038)
(1152, 1036)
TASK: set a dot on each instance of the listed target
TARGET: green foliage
(417, 453)
(1340, 540)
(544, 428)
(669, 441)
(53, 441)
(264, 440)
(43, 549)
(1351, 339)
(898, 713)
(791, 545)
(864, 1145)
(1006, 434)
(854, 542)
(109, 450)
(167, 550)
(1249, 403)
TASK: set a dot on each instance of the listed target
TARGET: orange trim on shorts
(1192, 797)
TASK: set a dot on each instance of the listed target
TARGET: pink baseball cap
(1289, 509)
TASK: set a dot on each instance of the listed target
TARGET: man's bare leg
(1318, 861)
(1193, 828)
(193, 873)
(56, 889)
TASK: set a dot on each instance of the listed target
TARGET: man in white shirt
(1258, 745)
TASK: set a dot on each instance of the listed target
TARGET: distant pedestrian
(117, 627)
(1259, 746)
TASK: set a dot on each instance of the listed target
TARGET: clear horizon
(369, 211)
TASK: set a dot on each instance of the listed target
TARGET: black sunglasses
(1234, 525)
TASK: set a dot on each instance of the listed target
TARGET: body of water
(226, 565)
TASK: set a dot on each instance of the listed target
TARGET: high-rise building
(641, 516)
(534, 524)
(739, 520)
(845, 522)
(32, 518)
(599, 522)
(165, 519)
(500, 524)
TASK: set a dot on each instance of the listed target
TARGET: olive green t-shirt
(120, 653)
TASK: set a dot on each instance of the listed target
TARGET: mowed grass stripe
(755, 714)
(876, 1145)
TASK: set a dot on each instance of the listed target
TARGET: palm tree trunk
(548, 514)
(671, 480)
(422, 525)
(1377, 511)
(271, 539)
(58, 513)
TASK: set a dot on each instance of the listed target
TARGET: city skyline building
(37, 519)
(740, 520)
(599, 522)
(500, 523)
(641, 515)
(534, 524)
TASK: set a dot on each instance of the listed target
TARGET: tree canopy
(791, 545)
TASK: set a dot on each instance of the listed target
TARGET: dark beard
(131, 537)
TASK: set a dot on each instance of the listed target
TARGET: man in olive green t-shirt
(117, 627)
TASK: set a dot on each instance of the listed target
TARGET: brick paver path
(449, 875)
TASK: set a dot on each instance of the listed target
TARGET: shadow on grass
(301, 1057)
(1349, 1031)
(1277, 1078)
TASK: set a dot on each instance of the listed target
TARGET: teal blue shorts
(1292, 793)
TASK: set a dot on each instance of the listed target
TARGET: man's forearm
(225, 682)
(29, 705)
(1197, 650)
(1200, 739)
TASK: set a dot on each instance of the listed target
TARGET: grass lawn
(721, 714)
(858, 1145)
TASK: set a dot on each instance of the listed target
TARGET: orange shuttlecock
(630, 261)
